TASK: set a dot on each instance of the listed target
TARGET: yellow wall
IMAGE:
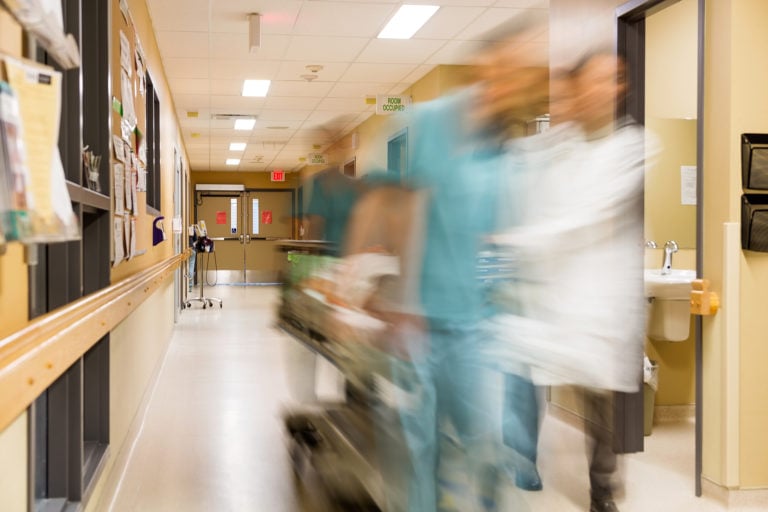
(13, 315)
(749, 80)
(170, 135)
(375, 132)
(666, 218)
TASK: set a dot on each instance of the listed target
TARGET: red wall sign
(266, 217)
(221, 217)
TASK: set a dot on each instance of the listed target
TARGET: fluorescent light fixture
(256, 87)
(233, 161)
(407, 20)
(237, 146)
(254, 32)
(245, 124)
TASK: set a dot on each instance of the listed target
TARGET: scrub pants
(521, 416)
(449, 381)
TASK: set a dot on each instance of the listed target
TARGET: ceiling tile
(233, 103)
(292, 70)
(235, 46)
(186, 68)
(399, 51)
(192, 45)
(291, 102)
(180, 16)
(447, 22)
(189, 86)
(300, 88)
(324, 48)
(370, 72)
(343, 18)
(225, 69)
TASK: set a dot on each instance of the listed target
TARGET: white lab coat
(575, 314)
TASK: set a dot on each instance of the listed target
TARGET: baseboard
(673, 413)
(735, 499)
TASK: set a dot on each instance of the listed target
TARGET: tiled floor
(213, 439)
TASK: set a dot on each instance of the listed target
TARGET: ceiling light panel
(237, 146)
(407, 21)
(257, 88)
(245, 124)
(233, 161)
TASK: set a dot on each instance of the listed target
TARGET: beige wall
(749, 80)
(13, 466)
(137, 349)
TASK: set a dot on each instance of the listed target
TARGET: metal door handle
(247, 239)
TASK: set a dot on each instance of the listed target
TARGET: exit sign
(278, 175)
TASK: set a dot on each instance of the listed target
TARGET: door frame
(244, 194)
(630, 24)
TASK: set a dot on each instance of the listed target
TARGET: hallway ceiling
(205, 52)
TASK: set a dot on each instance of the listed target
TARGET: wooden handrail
(32, 358)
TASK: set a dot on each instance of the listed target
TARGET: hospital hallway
(211, 439)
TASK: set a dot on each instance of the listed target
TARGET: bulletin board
(132, 228)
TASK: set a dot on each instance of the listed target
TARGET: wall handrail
(33, 357)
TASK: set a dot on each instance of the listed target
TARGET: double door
(245, 228)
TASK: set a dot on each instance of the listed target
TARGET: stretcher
(353, 447)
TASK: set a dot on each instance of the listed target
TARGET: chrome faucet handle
(669, 249)
(651, 244)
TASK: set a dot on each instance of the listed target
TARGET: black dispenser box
(754, 222)
(754, 161)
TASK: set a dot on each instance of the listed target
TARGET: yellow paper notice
(39, 91)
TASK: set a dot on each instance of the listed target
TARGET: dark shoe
(603, 505)
(528, 479)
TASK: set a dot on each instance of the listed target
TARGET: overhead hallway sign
(386, 104)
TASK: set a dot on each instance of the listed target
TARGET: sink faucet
(669, 249)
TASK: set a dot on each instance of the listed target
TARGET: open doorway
(661, 41)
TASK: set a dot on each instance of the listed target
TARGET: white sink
(674, 286)
(669, 316)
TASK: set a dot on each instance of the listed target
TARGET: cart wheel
(204, 305)
(221, 304)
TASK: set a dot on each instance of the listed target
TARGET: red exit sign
(278, 175)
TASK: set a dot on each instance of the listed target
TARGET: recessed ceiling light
(237, 146)
(245, 124)
(233, 161)
(407, 20)
(256, 87)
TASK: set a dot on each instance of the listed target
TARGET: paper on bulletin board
(125, 54)
(38, 89)
(119, 148)
(127, 190)
(119, 181)
(130, 238)
(129, 111)
(141, 181)
(688, 184)
(118, 246)
(134, 191)
(127, 235)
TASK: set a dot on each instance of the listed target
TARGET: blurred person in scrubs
(456, 153)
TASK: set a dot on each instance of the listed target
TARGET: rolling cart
(204, 248)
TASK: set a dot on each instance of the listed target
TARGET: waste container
(650, 385)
